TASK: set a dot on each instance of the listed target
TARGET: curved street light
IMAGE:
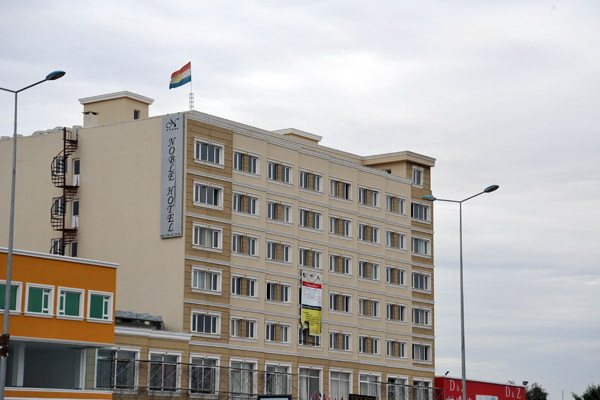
(52, 76)
(488, 189)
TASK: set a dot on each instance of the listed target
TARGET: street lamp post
(3, 361)
(488, 189)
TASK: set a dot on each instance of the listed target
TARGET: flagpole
(191, 97)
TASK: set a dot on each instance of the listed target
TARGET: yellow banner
(313, 318)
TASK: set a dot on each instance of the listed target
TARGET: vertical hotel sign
(171, 182)
(311, 302)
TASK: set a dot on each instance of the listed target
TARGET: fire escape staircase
(58, 170)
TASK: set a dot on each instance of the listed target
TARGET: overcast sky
(499, 92)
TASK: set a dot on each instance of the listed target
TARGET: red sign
(476, 390)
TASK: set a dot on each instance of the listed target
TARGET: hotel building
(214, 230)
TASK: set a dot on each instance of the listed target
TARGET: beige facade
(259, 208)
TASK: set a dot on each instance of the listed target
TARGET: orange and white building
(61, 313)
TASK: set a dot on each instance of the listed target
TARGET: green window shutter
(34, 303)
(98, 307)
(72, 300)
(13, 296)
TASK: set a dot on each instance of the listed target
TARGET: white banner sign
(171, 184)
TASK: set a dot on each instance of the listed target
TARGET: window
(368, 270)
(340, 226)
(206, 280)
(207, 237)
(100, 306)
(210, 153)
(75, 213)
(242, 379)
(203, 375)
(368, 233)
(279, 212)
(243, 328)
(394, 276)
(116, 369)
(417, 175)
(245, 204)
(60, 166)
(339, 385)
(207, 195)
(76, 171)
(310, 219)
(340, 264)
(368, 307)
(309, 381)
(163, 372)
(368, 345)
(309, 258)
(203, 322)
(340, 341)
(15, 295)
(278, 292)
(419, 211)
(304, 339)
(279, 172)
(277, 251)
(395, 312)
(421, 352)
(394, 204)
(275, 332)
(340, 189)
(245, 245)
(40, 299)
(422, 390)
(70, 302)
(368, 197)
(243, 162)
(421, 316)
(278, 380)
(58, 206)
(311, 181)
(73, 248)
(243, 286)
(397, 388)
(340, 302)
(420, 281)
(395, 240)
(420, 246)
(57, 247)
(369, 385)
(396, 349)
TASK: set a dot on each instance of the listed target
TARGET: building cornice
(116, 95)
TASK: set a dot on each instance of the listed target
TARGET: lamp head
(490, 188)
(430, 198)
(52, 76)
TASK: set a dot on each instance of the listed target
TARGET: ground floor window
(339, 385)
(309, 382)
(163, 372)
(203, 375)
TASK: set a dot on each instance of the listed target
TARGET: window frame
(215, 229)
(206, 313)
(18, 296)
(196, 195)
(212, 271)
(110, 314)
(60, 290)
(50, 307)
(198, 142)
(418, 176)
(418, 241)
